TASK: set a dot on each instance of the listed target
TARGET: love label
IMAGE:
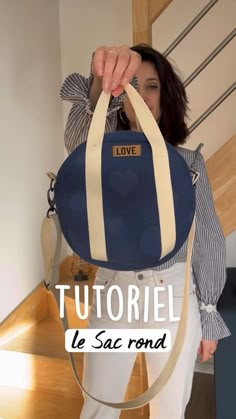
(126, 151)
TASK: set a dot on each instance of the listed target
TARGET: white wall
(85, 25)
(31, 138)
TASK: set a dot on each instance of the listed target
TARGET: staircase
(36, 379)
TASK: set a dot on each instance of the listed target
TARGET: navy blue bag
(125, 200)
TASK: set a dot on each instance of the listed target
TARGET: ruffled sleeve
(209, 258)
(75, 89)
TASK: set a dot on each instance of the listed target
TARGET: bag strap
(50, 233)
(93, 170)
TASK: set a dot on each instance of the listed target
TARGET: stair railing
(211, 108)
(190, 26)
(204, 63)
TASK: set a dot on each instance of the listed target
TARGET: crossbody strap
(51, 237)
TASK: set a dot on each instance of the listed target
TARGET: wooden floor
(201, 405)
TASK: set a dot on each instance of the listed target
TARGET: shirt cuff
(213, 326)
(116, 102)
(76, 88)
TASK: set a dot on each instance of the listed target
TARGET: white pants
(106, 375)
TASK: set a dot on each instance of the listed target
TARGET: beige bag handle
(51, 253)
(93, 170)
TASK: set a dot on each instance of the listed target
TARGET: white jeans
(106, 375)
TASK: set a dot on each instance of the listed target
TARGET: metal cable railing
(210, 57)
(201, 67)
(190, 26)
(215, 105)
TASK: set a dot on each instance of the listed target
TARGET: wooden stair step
(45, 373)
(44, 364)
(132, 414)
(18, 403)
(36, 372)
(46, 338)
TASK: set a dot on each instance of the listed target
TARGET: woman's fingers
(207, 349)
(116, 65)
(134, 64)
(122, 63)
(117, 91)
(200, 349)
(98, 61)
(111, 67)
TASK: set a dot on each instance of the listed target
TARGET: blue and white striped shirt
(209, 253)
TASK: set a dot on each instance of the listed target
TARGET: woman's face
(149, 89)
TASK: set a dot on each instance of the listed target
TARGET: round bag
(125, 200)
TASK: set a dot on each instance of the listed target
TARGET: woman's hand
(207, 349)
(116, 66)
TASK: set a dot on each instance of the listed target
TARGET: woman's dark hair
(174, 102)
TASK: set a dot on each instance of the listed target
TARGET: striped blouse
(209, 253)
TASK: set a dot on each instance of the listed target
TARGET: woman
(106, 375)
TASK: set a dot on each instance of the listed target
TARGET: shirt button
(140, 276)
